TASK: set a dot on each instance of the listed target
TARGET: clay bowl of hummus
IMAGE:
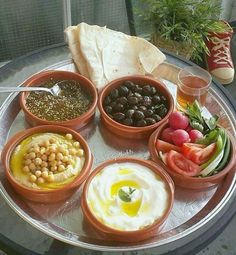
(134, 106)
(46, 163)
(127, 199)
(74, 107)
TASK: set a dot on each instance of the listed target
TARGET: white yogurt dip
(127, 196)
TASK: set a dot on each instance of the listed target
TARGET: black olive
(138, 89)
(114, 93)
(118, 108)
(133, 100)
(113, 104)
(108, 109)
(147, 101)
(148, 113)
(107, 100)
(150, 121)
(138, 115)
(163, 112)
(158, 108)
(136, 94)
(129, 84)
(142, 108)
(123, 90)
(130, 94)
(156, 117)
(122, 100)
(146, 90)
(128, 122)
(118, 116)
(129, 113)
(156, 99)
(153, 90)
(141, 123)
(132, 88)
(134, 107)
(163, 99)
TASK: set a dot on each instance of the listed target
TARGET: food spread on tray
(102, 54)
(136, 105)
(71, 103)
(47, 160)
(122, 196)
(193, 145)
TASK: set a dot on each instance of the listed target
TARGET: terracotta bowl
(45, 76)
(122, 235)
(39, 195)
(130, 131)
(195, 183)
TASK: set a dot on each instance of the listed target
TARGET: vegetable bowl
(195, 151)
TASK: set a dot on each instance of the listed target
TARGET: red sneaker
(219, 61)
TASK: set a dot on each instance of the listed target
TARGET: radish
(166, 135)
(189, 128)
(195, 134)
(180, 136)
(178, 120)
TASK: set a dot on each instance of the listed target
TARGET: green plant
(188, 21)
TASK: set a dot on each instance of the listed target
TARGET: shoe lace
(222, 49)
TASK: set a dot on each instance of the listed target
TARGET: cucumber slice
(226, 156)
(163, 159)
(210, 166)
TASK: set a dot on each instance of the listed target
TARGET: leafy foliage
(126, 195)
(197, 121)
(188, 21)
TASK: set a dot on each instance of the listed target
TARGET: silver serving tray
(193, 211)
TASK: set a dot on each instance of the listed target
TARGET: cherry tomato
(165, 147)
(198, 153)
(181, 165)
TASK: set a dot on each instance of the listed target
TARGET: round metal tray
(193, 211)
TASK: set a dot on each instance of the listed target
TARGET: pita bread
(103, 55)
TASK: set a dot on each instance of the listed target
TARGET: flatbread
(102, 54)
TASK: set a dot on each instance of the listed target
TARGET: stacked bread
(103, 55)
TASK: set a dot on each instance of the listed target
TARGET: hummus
(47, 160)
(127, 196)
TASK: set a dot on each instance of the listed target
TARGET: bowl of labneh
(134, 106)
(127, 199)
(46, 163)
(74, 107)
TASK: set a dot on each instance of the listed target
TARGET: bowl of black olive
(134, 106)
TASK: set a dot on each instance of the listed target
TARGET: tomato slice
(189, 148)
(198, 154)
(165, 147)
(180, 164)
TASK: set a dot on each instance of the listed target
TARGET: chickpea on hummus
(47, 160)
